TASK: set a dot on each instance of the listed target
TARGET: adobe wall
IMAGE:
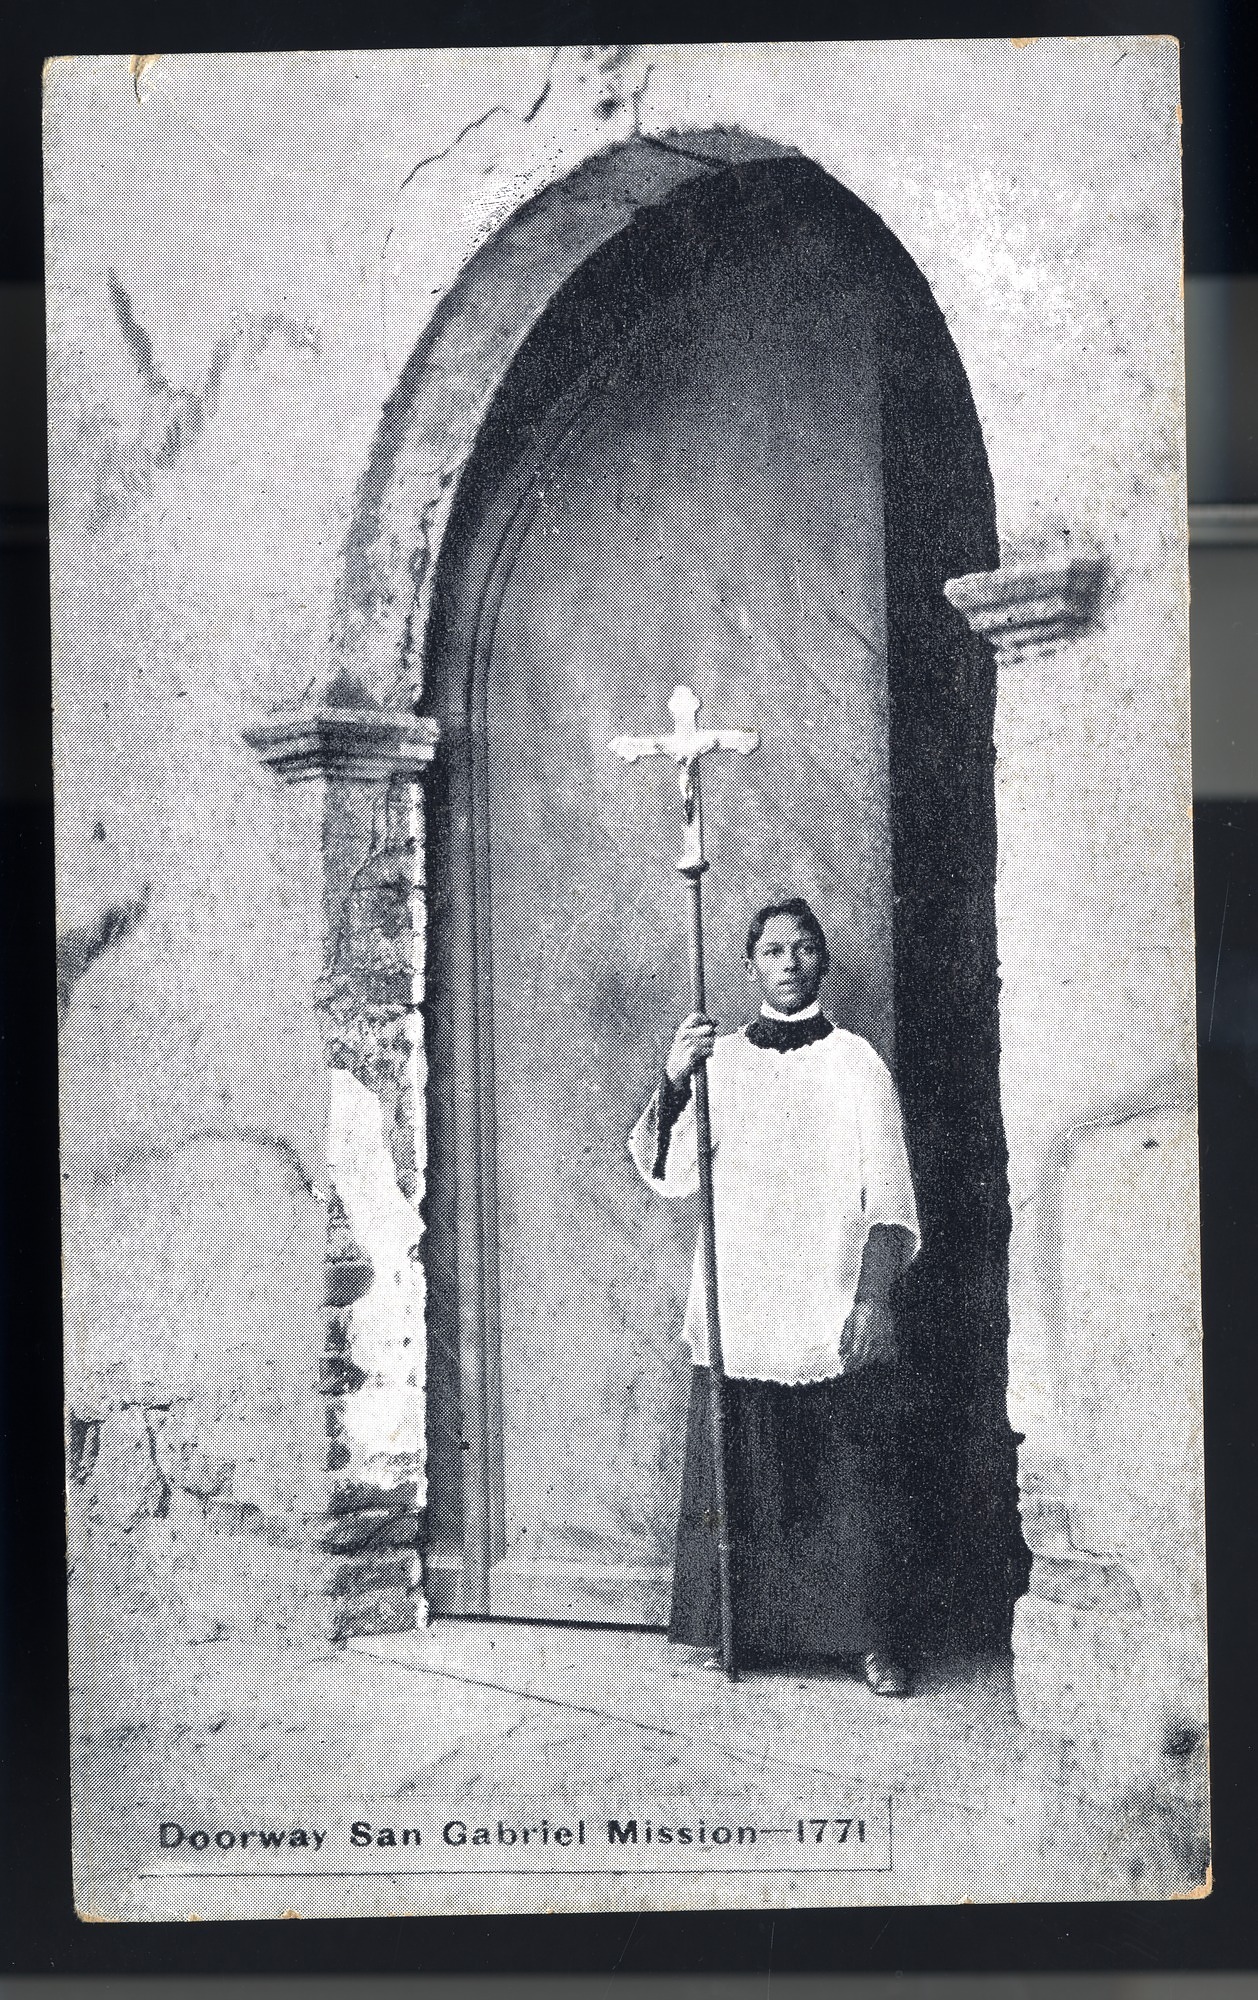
(241, 259)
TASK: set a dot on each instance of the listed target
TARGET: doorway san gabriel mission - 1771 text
(420, 464)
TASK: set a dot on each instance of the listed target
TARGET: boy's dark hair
(792, 906)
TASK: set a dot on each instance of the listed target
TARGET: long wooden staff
(686, 745)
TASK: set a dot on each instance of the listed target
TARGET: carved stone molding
(366, 744)
(1030, 606)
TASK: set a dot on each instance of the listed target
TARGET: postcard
(624, 882)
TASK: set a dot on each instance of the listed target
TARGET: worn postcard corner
(628, 1097)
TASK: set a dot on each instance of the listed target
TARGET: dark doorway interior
(738, 450)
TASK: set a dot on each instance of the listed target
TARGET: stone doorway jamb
(357, 774)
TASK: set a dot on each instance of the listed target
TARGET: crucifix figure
(793, 1534)
(686, 746)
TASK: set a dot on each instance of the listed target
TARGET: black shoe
(884, 1675)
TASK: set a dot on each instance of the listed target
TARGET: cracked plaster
(385, 1415)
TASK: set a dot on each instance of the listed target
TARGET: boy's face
(786, 965)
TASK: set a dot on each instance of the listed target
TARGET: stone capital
(1030, 606)
(367, 744)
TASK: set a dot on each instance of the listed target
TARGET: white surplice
(808, 1154)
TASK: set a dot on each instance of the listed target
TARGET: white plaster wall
(282, 228)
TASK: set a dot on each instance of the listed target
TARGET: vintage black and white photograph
(623, 817)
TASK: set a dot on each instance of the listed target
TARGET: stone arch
(432, 419)
(511, 351)
(431, 423)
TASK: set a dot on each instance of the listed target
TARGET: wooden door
(709, 508)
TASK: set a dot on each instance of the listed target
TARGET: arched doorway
(737, 448)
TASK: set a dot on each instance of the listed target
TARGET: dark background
(38, 1932)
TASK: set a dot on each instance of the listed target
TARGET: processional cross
(686, 746)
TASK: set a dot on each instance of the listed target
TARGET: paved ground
(477, 1723)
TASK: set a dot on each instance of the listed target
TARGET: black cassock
(821, 1538)
(822, 1541)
